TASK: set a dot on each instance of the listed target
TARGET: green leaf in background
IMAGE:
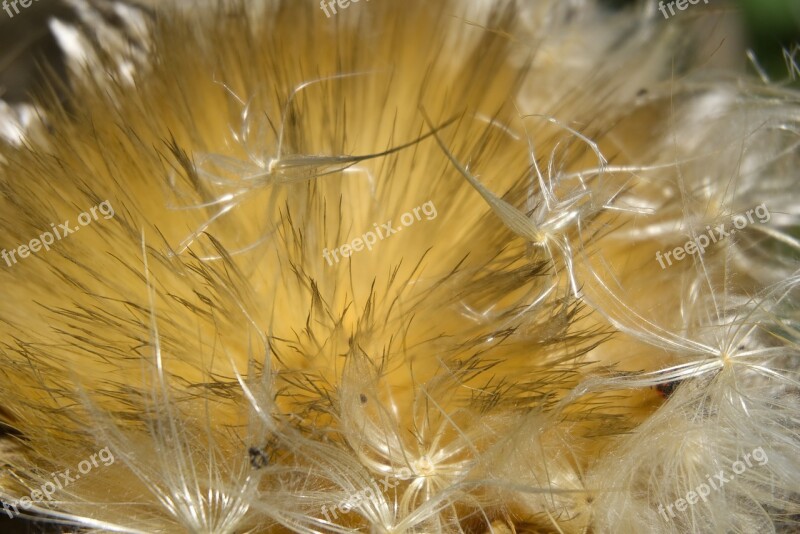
(773, 25)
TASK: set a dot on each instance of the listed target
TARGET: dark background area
(773, 25)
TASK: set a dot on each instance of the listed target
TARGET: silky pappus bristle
(410, 267)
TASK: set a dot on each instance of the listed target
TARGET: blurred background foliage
(773, 26)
